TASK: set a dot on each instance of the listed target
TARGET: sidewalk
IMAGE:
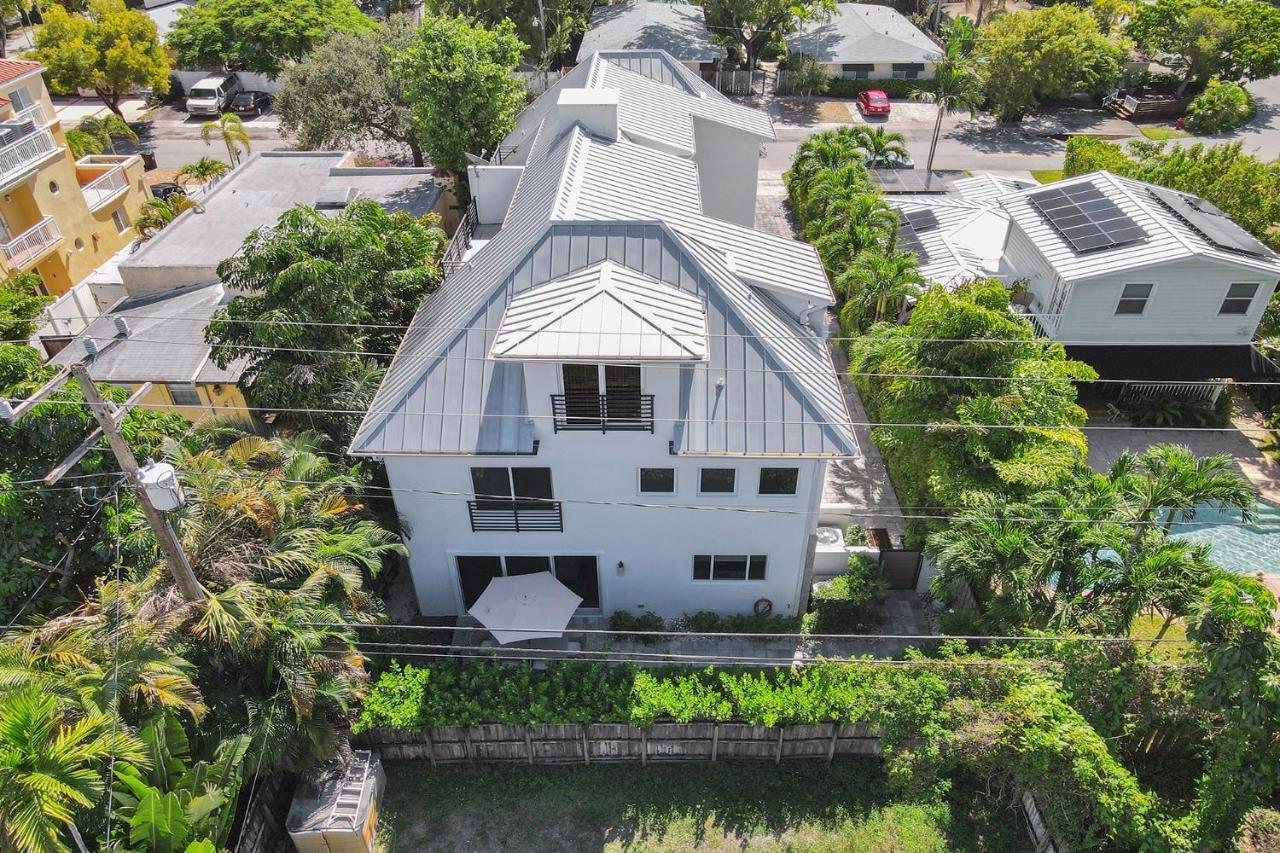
(71, 111)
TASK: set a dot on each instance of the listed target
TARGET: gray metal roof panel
(862, 32)
(677, 28)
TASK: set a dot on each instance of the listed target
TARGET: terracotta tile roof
(12, 69)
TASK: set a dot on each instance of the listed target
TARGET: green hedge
(1090, 154)
(839, 87)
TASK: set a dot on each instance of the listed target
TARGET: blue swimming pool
(1240, 548)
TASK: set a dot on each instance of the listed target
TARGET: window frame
(23, 101)
(118, 216)
(907, 70)
(795, 486)
(1122, 299)
(702, 491)
(184, 387)
(857, 70)
(1228, 298)
(755, 568)
(640, 489)
(551, 556)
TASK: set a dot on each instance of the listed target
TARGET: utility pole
(104, 414)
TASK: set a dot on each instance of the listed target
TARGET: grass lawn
(1161, 132)
(1046, 176)
(1147, 625)
(798, 806)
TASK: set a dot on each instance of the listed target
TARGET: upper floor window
(1133, 299)
(657, 481)
(1238, 299)
(779, 481)
(20, 99)
(717, 481)
(505, 484)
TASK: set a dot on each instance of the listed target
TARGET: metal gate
(901, 569)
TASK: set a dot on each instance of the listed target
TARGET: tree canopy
(1230, 39)
(365, 266)
(1045, 53)
(370, 103)
(111, 50)
(458, 79)
(534, 22)
(20, 305)
(752, 24)
(262, 36)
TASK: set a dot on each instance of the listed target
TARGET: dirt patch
(811, 111)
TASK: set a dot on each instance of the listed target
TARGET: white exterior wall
(1183, 306)
(728, 161)
(655, 544)
(882, 70)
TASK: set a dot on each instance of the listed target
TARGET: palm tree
(1162, 575)
(106, 130)
(202, 171)
(1170, 477)
(956, 87)
(230, 129)
(157, 213)
(879, 146)
(829, 150)
(830, 188)
(873, 282)
(850, 227)
(50, 767)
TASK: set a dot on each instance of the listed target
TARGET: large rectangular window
(1238, 299)
(856, 70)
(907, 70)
(579, 573)
(657, 481)
(507, 483)
(1133, 299)
(717, 481)
(729, 567)
(184, 394)
(779, 481)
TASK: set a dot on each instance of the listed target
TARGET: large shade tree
(1233, 40)
(318, 294)
(369, 105)
(458, 79)
(110, 50)
(751, 24)
(262, 36)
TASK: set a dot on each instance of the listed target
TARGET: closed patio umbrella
(525, 607)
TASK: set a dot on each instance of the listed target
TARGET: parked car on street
(892, 161)
(212, 95)
(166, 190)
(873, 102)
(250, 103)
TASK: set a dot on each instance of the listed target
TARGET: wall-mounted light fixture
(622, 567)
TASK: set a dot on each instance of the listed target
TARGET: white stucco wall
(656, 544)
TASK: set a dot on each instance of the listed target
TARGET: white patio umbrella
(525, 607)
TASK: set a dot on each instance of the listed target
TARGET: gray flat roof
(265, 186)
(678, 28)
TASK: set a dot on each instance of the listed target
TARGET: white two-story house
(616, 384)
(1141, 282)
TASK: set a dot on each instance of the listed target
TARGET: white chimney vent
(91, 346)
(122, 326)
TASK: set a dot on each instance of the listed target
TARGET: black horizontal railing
(461, 241)
(490, 515)
(602, 412)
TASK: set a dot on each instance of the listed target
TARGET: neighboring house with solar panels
(1140, 281)
(614, 383)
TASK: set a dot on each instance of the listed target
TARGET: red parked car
(873, 102)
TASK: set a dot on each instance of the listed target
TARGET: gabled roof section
(13, 69)
(604, 311)
(861, 32)
(679, 29)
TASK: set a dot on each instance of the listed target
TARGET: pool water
(1241, 548)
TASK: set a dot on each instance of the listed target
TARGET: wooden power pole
(104, 414)
(109, 418)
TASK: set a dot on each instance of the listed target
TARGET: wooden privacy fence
(615, 742)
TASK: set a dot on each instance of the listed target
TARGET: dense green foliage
(364, 266)
(457, 78)
(548, 30)
(846, 603)
(1045, 53)
(1219, 108)
(369, 105)
(840, 87)
(1231, 39)
(20, 305)
(110, 50)
(750, 25)
(262, 36)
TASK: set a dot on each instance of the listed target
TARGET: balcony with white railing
(36, 113)
(105, 188)
(33, 244)
(19, 159)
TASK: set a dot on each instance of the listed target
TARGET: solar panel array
(911, 225)
(1210, 223)
(1084, 217)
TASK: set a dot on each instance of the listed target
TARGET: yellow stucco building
(59, 217)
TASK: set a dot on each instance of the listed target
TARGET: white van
(212, 95)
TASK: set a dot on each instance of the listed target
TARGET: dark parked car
(164, 191)
(250, 103)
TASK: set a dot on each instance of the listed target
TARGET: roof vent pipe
(122, 326)
(90, 346)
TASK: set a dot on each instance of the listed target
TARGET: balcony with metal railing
(526, 515)
(616, 411)
(36, 114)
(31, 245)
(105, 188)
(19, 159)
